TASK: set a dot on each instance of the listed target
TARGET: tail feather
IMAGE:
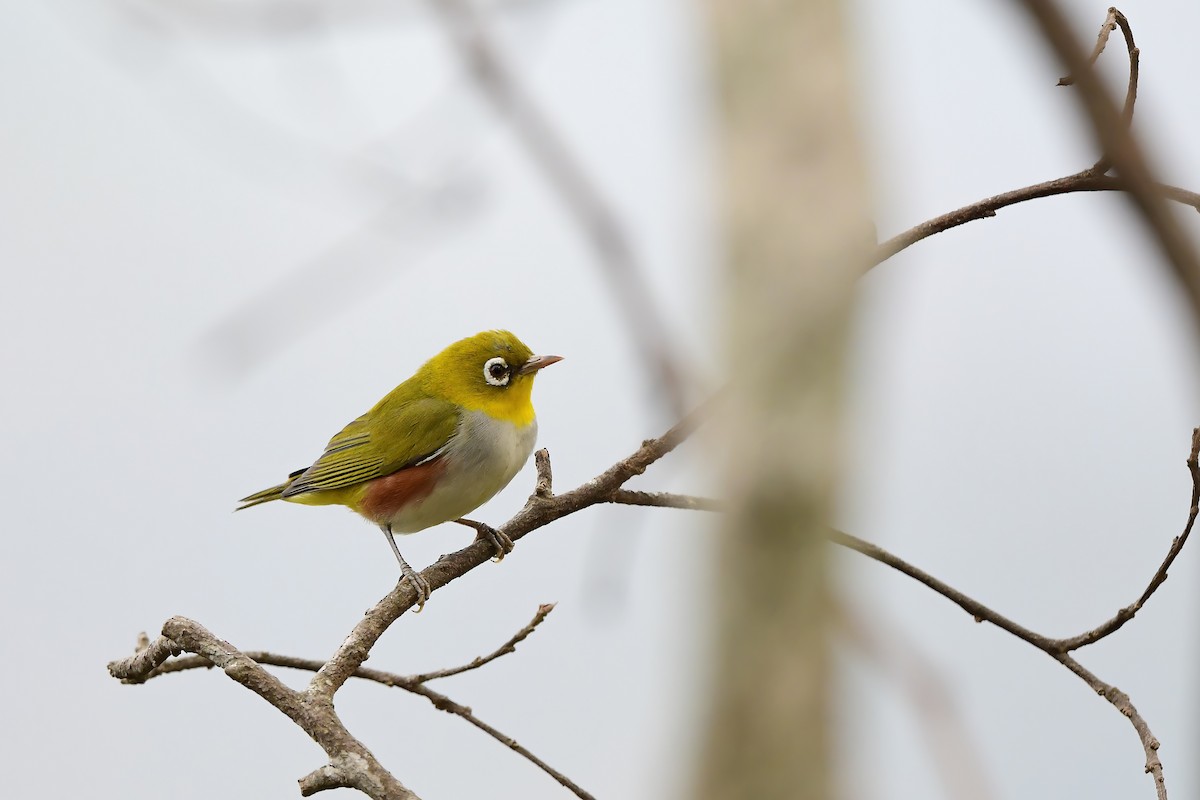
(265, 496)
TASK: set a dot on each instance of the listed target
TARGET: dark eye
(495, 371)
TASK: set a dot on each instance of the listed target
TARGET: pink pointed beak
(536, 363)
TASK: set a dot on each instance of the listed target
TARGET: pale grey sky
(220, 244)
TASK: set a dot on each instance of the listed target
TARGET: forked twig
(1160, 575)
(982, 613)
(329, 778)
(1114, 20)
(948, 738)
(1092, 179)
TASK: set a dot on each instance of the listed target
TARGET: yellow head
(491, 371)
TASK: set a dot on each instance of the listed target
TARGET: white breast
(482, 458)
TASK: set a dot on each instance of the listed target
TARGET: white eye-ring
(495, 371)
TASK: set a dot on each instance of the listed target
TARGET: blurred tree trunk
(795, 223)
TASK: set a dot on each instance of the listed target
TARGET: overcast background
(227, 228)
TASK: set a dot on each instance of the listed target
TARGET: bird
(434, 449)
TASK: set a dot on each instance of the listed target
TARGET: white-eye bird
(437, 447)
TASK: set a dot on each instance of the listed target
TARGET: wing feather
(386, 439)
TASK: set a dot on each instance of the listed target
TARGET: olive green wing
(386, 439)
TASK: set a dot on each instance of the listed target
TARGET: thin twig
(1122, 703)
(976, 609)
(444, 703)
(508, 647)
(1114, 20)
(948, 738)
(1128, 612)
(1085, 181)
(1064, 645)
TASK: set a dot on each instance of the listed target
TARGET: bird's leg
(499, 540)
(419, 583)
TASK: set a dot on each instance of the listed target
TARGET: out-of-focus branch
(260, 20)
(331, 280)
(951, 746)
(499, 83)
(794, 209)
(630, 497)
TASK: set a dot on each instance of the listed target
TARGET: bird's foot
(419, 584)
(500, 541)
